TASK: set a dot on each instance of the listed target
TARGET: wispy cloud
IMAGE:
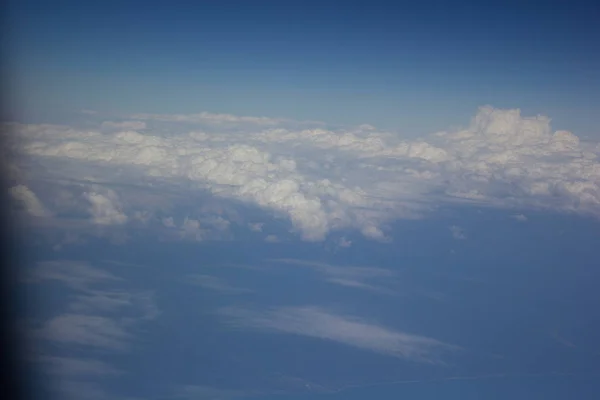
(214, 283)
(337, 270)
(352, 331)
(75, 274)
(68, 366)
(115, 300)
(356, 284)
(93, 316)
(29, 201)
(89, 330)
(562, 340)
(365, 278)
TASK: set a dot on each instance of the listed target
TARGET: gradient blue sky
(416, 67)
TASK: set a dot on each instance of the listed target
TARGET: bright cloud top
(327, 180)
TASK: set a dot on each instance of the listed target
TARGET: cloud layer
(326, 180)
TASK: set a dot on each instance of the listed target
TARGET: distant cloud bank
(321, 180)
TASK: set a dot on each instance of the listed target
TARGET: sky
(302, 200)
(417, 67)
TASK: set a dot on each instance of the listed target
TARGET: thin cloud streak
(347, 276)
(349, 330)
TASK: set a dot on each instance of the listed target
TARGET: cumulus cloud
(190, 228)
(29, 200)
(457, 232)
(168, 222)
(105, 208)
(272, 239)
(352, 331)
(256, 227)
(198, 228)
(326, 180)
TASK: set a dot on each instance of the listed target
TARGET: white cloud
(256, 227)
(352, 331)
(168, 222)
(272, 239)
(89, 330)
(218, 222)
(357, 284)
(343, 242)
(105, 208)
(324, 180)
(75, 274)
(520, 217)
(110, 301)
(142, 215)
(190, 225)
(190, 228)
(338, 270)
(29, 200)
(457, 232)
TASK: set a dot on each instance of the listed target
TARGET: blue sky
(417, 68)
(306, 200)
